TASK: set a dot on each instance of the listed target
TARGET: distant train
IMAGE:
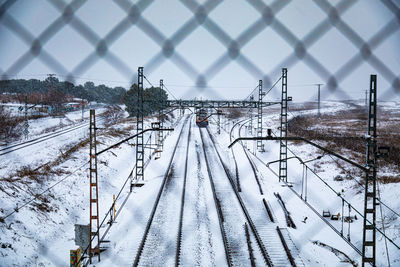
(202, 118)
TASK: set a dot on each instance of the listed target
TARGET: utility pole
(52, 101)
(219, 122)
(366, 100)
(259, 119)
(82, 107)
(26, 123)
(283, 130)
(160, 121)
(319, 98)
(251, 117)
(139, 129)
(369, 230)
(94, 191)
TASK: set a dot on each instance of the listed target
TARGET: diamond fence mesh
(268, 17)
(299, 46)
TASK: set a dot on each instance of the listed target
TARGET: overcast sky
(220, 56)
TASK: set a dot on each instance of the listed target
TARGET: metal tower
(369, 230)
(161, 119)
(319, 99)
(283, 130)
(259, 118)
(139, 128)
(94, 192)
(251, 117)
(219, 121)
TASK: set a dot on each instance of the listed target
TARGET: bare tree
(9, 125)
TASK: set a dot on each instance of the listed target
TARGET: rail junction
(217, 192)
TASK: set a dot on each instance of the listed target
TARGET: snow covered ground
(42, 232)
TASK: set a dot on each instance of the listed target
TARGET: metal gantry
(369, 229)
(139, 128)
(94, 192)
(283, 130)
(216, 104)
(259, 116)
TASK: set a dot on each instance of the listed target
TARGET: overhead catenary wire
(340, 196)
(36, 196)
(269, 90)
(362, 185)
(315, 211)
(112, 206)
(252, 92)
(280, 78)
(358, 182)
(170, 92)
(383, 224)
(148, 81)
(163, 86)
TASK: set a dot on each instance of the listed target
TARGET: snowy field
(37, 223)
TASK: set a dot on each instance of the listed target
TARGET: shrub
(10, 126)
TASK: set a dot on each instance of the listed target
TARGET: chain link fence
(297, 47)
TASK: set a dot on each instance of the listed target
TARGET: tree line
(52, 89)
(154, 98)
(54, 92)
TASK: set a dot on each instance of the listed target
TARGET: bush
(113, 114)
(153, 99)
(234, 113)
(10, 126)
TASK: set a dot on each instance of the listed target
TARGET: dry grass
(388, 179)
(113, 132)
(112, 115)
(342, 132)
(233, 113)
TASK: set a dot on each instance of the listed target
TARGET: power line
(36, 196)
(163, 86)
(170, 92)
(252, 92)
(273, 86)
(148, 81)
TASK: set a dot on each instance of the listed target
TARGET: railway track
(170, 229)
(232, 212)
(160, 244)
(18, 146)
(279, 245)
(252, 164)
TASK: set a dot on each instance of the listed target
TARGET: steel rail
(150, 221)
(286, 247)
(264, 252)
(233, 155)
(282, 239)
(253, 166)
(179, 236)
(314, 210)
(41, 139)
(217, 205)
